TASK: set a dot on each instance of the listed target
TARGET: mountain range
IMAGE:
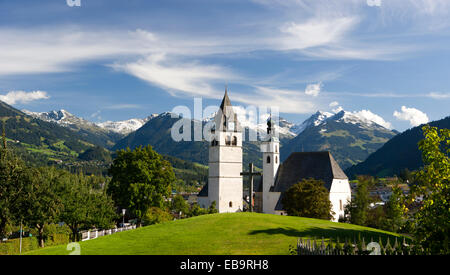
(359, 144)
(400, 152)
(349, 137)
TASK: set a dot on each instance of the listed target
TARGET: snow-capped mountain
(349, 136)
(364, 119)
(89, 130)
(126, 126)
(62, 117)
(315, 120)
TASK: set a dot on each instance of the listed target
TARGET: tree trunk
(74, 230)
(2, 228)
(41, 235)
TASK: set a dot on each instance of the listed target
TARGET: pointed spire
(226, 100)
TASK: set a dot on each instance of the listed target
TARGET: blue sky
(117, 59)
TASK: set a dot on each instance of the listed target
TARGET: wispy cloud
(15, 97)
(177, 77)
(122, 106)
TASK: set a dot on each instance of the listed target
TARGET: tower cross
(250, 173)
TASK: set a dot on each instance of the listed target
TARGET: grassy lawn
(219, 234)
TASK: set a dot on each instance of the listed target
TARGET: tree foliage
(308, 198)
(12, 186)
(156, 215)
(432, 225)
(83, 206)
(358, 208)
(140, 179)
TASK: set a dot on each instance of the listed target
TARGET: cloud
(374, 3)
(176, 77)
(316, 32)
(313, 89)
(14, 97)
(367, 114)
(414, 116)
(123, 106)
(334, 104)
(338, 109)
(439, 95)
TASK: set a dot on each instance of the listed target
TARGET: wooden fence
(322, 247)
(93, 234)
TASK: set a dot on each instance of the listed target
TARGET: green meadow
(220, 234)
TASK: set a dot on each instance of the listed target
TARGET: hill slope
(350, 138)
(399, 153)
(42, 140)
(88, 130)
(219, 234)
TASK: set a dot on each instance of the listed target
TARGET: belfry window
(276, 159)
(227, 140)
(214, 142)
(234, 141)
(268, 159)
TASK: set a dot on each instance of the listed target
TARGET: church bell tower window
(268, 159)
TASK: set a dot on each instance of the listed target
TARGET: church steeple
(226, 116)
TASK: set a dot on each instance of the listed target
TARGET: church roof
(305, 165)
(226, 115)
(204, 191)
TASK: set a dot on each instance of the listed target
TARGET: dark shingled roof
(204, 191)
(304, 165)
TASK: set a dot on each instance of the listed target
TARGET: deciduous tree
(308, 198)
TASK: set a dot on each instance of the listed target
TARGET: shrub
(156, 215)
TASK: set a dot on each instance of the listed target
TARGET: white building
(225, 163)
(277, 178)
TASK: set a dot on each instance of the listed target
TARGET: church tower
(271, 161)
(225, 160)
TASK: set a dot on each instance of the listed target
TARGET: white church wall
(231, 195)
(340, 193)
(270, 200)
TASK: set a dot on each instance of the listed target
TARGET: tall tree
(11, 186)
(308, 198)
(433, 183)
(358, 208)
(83, 206)
(140, 179)
(395, 210)
(41, 203)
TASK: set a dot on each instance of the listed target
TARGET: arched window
(234, 141)
(276, 149)
(213, 142)
(227, 140)
(268, 159)
(231, 204)
(276, 159)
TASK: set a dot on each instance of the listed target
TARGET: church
(225, 182)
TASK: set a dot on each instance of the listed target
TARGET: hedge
(12, 247)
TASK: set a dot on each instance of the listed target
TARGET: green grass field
(219, 234)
